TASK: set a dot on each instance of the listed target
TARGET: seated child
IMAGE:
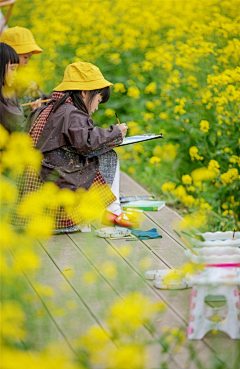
(76, 153)
(11, 113)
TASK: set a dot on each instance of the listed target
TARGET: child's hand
(35, 104)
(123, 128)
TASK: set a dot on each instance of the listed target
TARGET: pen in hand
(117, 119)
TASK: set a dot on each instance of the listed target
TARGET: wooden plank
(97, 254)
(65, 308)
(97, 296)
(41, 328)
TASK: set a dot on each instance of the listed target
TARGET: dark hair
(7, 55)
(78, 101)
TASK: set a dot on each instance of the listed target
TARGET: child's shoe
(122, 220)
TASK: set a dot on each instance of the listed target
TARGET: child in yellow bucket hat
(23, 42)
(78, 154)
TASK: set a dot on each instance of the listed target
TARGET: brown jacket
(11, 114)
(71, 144)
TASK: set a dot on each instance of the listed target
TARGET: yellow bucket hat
(82, 76)
(21, 40)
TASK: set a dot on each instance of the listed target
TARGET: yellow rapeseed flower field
(175, 66)
(177, 59)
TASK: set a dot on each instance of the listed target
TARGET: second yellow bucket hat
(82, 76)
(21, 40)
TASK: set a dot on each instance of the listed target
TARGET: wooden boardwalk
(76, 305)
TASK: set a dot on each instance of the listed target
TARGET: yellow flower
(40, 226)
(188, 200)
(109, 113)
(169, 152)
(115, 58)
(150, 105)
(163, 116)
(119, 87)
(147, 116)
(133, 128)
(179, 192)
(95, 339)
(229, 176)
(235, 160)
(19, 153)
(138, 148)
(154, 160)
(120, 357)
(26, 260)
(133, 92)
(8, 193)
(157, 151)
(193, 152)
(205, 206)
(204, 126)
(151, 88)
(186, 179)
(168, 187)
(12, 319)
(213, 165)
(131, 170)
(4, 137)
(195, 220)
(202, 174)
(130, 314)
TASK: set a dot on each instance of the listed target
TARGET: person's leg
(114, 213)
(115, 207)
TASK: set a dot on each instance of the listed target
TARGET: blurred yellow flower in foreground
(19, 153)
(194, 220)
(53, 356)
(130, 314)
(132, 355)
(8, 191)
(4, 137)
(12, 319)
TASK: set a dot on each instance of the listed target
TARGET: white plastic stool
(215, 282)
